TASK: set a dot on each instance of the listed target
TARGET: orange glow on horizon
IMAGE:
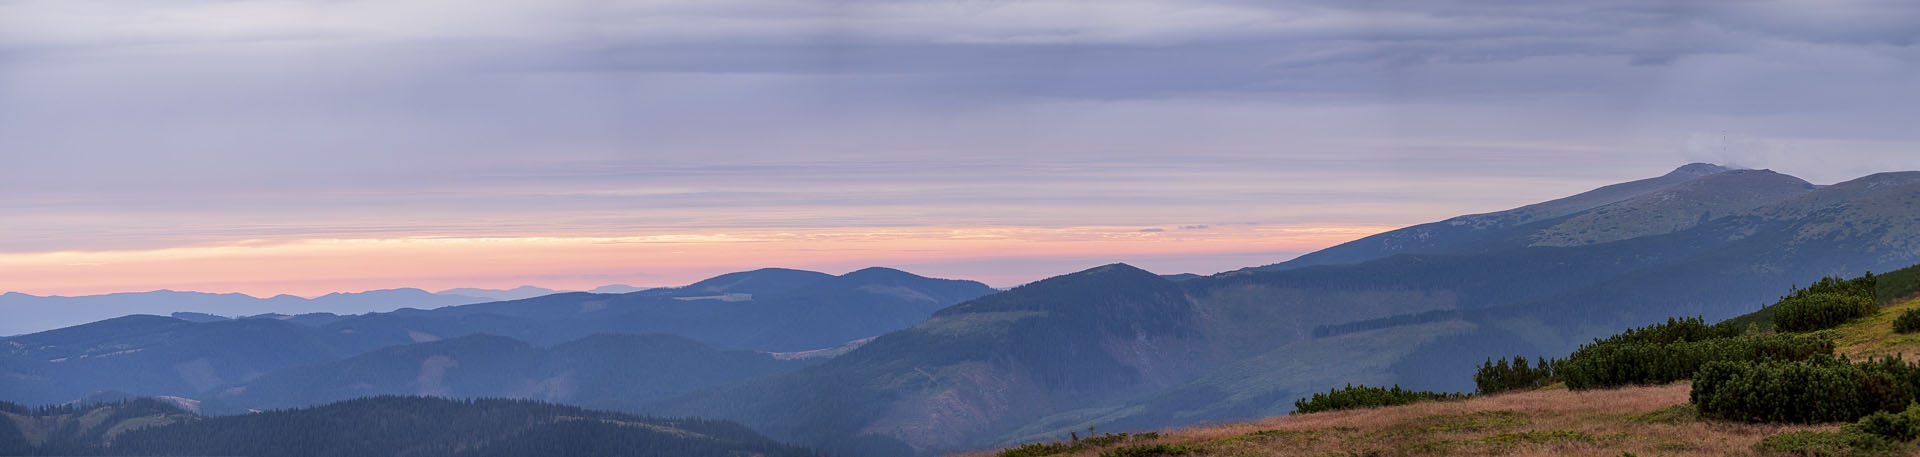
(311, 267)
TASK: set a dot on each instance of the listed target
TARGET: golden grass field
(1644, 421)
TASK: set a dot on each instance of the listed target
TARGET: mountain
(1535, 280)
(29, 313)
(153, 355)
(616, 289)
(499, 294)
(1459, 232)
(413, 426)
(1718, 269)
(978, 367)
(618, 372)
(1678, 207)
(745, 284)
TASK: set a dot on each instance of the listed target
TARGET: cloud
(166, 123)
(1193, 227)
(1152, 230)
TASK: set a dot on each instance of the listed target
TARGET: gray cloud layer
(187, 120)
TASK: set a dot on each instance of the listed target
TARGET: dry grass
(1646, 421)
(1873, 336)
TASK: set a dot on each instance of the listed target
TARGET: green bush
(1503, 376)
(1898, 284)
(1827, 390)
(1846, 443)
(1898, 427)
(1353, 396)
(1673, 331)
(1864, 286)
(1809, 312)
(1908, 322)
(1622, 362)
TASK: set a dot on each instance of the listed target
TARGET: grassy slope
(1873, 336)
(1649, 421)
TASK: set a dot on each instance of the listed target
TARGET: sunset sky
(306, 147)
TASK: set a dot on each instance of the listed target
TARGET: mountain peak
(1091, 289)
(879, 273)
(1698, 169)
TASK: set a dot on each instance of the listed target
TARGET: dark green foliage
(1151, 450)
(1825, 390)
(1625, 361)
(418, 426)
(1864, 286)
(1845, 443)
(1809, 312)
(1675, 330)
(1898, 284)
(1908, 322)
(1353, 396)
(1495, 377)
(1868, 286)
(1904, 426)
(76, 428)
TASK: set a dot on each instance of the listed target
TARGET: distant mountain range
(881, 362)
(206, 357)
(30, 313)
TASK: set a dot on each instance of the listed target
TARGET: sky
(305, 147)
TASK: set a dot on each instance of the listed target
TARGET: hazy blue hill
(29, 313)
(767, 309)
(308, 319)
(603, 371)
(412, 426)
(977, 369)
(499, 294)
(616, 289)
(856, 305)
(153, 355)
(761, 282)
(198, 317)
(468, 366)
(1448, 235)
